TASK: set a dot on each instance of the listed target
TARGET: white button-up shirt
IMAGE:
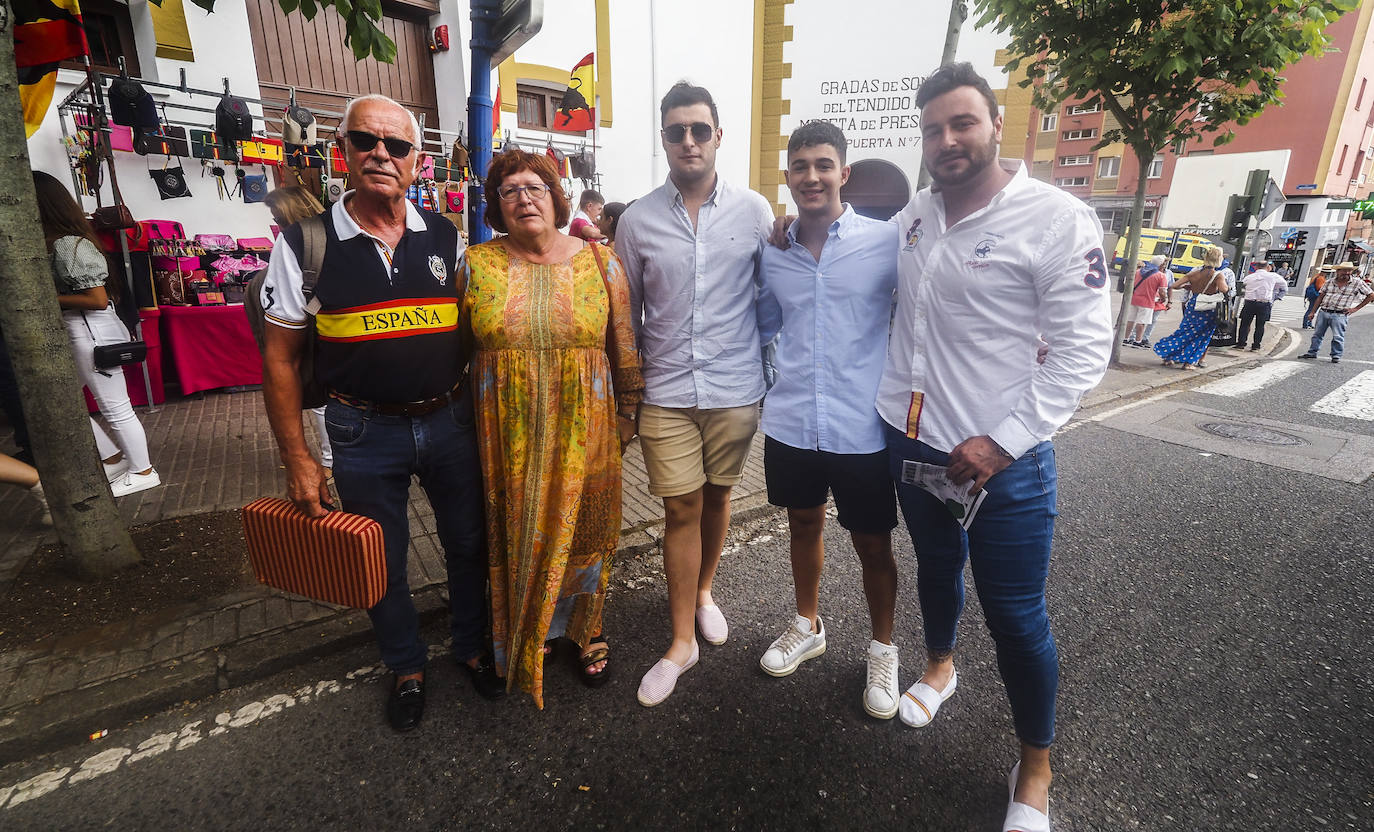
(973, 299)
(833, 315)
(1264, 286)
(693, 293)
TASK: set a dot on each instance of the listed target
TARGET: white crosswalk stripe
(1251, 381)
(1354, 399)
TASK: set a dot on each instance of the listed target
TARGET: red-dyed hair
(515, 161)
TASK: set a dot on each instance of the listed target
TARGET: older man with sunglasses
(692, 250)
(385, 322)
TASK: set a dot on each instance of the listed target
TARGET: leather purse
(337, 559)
(117, 355)
(112, 218)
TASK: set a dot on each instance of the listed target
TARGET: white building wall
(709, 43)
(860, 70)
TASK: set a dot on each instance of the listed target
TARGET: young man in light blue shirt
(830, 294)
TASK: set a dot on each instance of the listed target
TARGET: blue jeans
(374, 459)
(1336, 322)
(1009, 547)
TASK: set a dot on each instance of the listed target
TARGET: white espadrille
(658, 684)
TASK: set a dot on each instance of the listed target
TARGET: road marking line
(111, 759)
(1354, 399)
(1107, 414)
(1253, 380)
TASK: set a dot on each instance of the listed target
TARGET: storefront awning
(1367, 248)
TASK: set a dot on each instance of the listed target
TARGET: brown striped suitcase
(338, 559)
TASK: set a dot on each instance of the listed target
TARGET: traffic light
(1289, 244)
(1237, 217)
(1300, 240)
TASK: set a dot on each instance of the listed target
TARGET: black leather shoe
(484, 678)
(406, 704)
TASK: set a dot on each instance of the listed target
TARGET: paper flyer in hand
(935, 479)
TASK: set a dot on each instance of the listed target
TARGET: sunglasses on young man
(701, 132)
(364, 142)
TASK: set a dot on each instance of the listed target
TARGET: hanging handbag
(233, 119)
(112, 218)
(255, 188)
(167, 140)
(339, 558)
(171, 182)
(131, 105)
(299, 126)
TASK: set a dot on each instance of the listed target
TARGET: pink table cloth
(210, 346)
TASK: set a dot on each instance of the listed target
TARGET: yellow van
(1186, 256)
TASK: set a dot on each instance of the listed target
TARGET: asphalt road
(1212, 615)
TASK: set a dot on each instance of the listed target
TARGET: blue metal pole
(480, 115)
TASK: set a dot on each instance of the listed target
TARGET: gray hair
(414, 122)
(1158, 259)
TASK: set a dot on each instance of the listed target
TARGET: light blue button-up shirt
(833, 316)
(693, 294)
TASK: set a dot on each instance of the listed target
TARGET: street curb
(68, 718)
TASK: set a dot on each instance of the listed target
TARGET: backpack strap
(314, 240)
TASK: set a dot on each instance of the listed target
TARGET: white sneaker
(880, 693)
(794, 647)
(46, 517)
(115, 470)
(133, 482)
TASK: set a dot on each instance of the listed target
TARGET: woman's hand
(627, 427)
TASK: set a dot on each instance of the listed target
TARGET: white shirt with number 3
(973, 301)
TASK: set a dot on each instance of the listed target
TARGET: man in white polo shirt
(989, 260)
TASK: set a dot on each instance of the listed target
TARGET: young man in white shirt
(828, 291)
(989, 260)
(691, 251)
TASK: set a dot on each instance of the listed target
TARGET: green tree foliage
(1168, 71)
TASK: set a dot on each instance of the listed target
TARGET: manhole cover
(1251, 433)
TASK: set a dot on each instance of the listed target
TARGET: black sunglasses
(395, 148)
(701, 132)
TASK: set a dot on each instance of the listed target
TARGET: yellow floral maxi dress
(554, 357)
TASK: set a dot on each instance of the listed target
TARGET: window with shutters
(110, 33)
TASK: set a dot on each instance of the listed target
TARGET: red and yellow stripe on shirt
(392, 319)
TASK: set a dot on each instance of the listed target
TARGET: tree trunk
(1143, 159)
(83, 512)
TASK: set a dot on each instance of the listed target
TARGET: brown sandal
(599, 654)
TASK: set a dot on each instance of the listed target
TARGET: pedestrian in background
(1150, 283)
(1343, 296)
(289, 206)
(1262, 288)
(1187, 346)
(556, 376)
(88, 297)
(610, 221)
(584, 225)
(1312, 291)
(692, 249)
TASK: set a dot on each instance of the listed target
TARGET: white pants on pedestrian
(107, 386)
(326, 452)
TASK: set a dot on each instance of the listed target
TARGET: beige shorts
(685, 448)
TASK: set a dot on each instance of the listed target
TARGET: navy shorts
(861, 484)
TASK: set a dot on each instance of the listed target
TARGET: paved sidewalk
(215, 452)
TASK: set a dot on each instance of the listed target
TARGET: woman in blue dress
(1189, 343)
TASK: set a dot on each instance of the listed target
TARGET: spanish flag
(496, 122)
(46, 32)
(577, 110)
